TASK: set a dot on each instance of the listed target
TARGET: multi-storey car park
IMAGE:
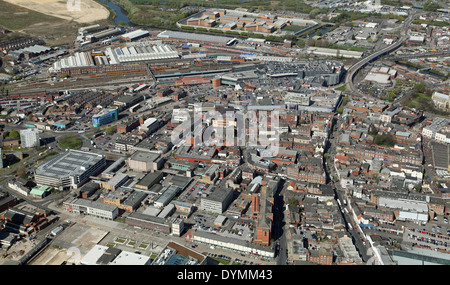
(70, 169)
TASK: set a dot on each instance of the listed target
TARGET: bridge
(353, 70)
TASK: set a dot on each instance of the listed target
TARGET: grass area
(71, 142)
(343, 47)
(384, 140)
(293, 28)
(47, 155)
(121, 220)
(149, 15)
(340, 88)
(221, 261)
(120, 240)
(16, 18)
(143, 245)
(420, 98)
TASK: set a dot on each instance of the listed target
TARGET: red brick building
(322, 256)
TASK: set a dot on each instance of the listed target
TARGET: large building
(218, 201)
(145, 161)
(104, 117)
(134, 35)
(29, 138)
(70, 169)
(177, 254)
(166, 226)
(195, 38)
(92, 208)
(104, 255)
(441, 101)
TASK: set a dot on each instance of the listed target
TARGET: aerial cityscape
(242, 132)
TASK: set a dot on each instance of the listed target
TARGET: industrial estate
(152, 144)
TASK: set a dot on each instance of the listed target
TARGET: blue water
(120, 15)
(323, 31)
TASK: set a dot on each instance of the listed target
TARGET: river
(120, 14)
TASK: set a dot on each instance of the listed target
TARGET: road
(353, 70)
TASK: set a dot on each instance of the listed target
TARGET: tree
(300, 43)
(13, 134)
(431, 6)
(293, 202)
(110, 130)
(419, 88)
(373, 130)
(384, 140)
(21, 172)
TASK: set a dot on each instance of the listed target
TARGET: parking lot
(196, 190)
(243, 230)
(104, 142)
(434, 240)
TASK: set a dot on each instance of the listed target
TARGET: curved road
(353, 70)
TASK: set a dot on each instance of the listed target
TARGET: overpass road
(353, 70)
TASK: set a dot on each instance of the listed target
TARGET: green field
(71, 142)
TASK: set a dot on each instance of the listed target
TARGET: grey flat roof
(146, 218)
(144, 156)
(151, 178)
(194, 37)
(72, 162)
(92, 204)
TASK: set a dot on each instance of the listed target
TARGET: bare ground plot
(71, 245)
(53, 30)
(88, 10)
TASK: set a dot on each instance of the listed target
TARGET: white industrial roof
(93, 255)
(130, 258)
(378, 77)
(135, 34)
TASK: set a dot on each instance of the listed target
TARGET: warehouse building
(92, 208)
(168, 193)
(103, 34)
(70, 169)
(134, 35)
(78, 59)
(196, 38)
(115, 182)
(334, 52)
(149, 180)
(142, 53)
(104, 255)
